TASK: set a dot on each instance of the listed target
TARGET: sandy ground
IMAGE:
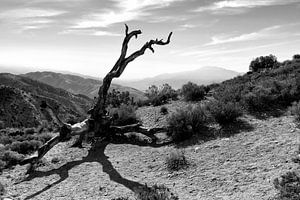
(241, 166)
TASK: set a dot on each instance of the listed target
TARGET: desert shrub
(2, 189)
(263, 62)
(25, 147)
(43, 137)
(5, 139)
(160, 95)
(121, 198)
(29, 131)
(295, 110)
(176, 160)
(296, 56)
(185, 122)
(193, 92)
(259, 99)
(2, 125)
(2, 165)
(55, 160)
(141, 103)
(12, 158)
(288, 186)
(157, 192)
(164, 110)
(123, 115)
(224, 113)
(115, 98)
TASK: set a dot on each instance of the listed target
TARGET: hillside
(79, 85)
(240, 166)
(204, 75)
(21, 97)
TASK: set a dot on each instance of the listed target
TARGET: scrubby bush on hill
(11, 158)
(224, 113)
(123, 115)
(25, 147)
(158, 96)
(263, 63)
(262, 92)
(185, 122)
(164, 110)
(156, 192)
(15, 143)
(296, 56)
(193, 92)
(295, 110)
(176, 160)
(2, 189)
(2, 125)
(115, 98)
(288, 186)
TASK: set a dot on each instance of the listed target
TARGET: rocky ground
(240, 166)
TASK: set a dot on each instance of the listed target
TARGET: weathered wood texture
(98, 113)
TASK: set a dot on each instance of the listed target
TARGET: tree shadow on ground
(211, 133)
(95, 154)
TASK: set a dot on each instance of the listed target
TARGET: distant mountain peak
(204, 75)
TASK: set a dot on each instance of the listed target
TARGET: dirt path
(239, 167)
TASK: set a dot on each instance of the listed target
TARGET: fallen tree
(99, 122)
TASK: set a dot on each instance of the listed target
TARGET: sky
(85, 36)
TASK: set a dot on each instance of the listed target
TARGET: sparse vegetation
(186, 122)
(121, 198)
(262, 92)
(123, 115)
(263, 63)
(161, 95)
(176, 160)
(224, 113)
(16, 143)
(296, 57)
(295, 110)
(2, 189)
(193, 92)
(116, 98)
(288, 186)
(164, 110)
(157, 192)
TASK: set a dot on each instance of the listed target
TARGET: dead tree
(98, 114)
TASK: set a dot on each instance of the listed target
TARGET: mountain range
(21, 97)
(79, 85)
(201, 76)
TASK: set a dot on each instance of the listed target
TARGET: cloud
(29, 13)
(263, 33)
(23, 19)
(222, 51)
(124, 11)
(89, 32)
(240, 6)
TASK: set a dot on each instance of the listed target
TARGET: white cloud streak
(264, 33)
(89, 32)
(23, 13)
(240, 6)
(125, 10)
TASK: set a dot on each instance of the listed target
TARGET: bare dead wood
(139, 129)
(101, 125)
(99, 109)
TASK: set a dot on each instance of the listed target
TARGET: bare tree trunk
(101, 125)
(98, 112)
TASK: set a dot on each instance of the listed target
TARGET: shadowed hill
(79, 85)
(21, 97)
